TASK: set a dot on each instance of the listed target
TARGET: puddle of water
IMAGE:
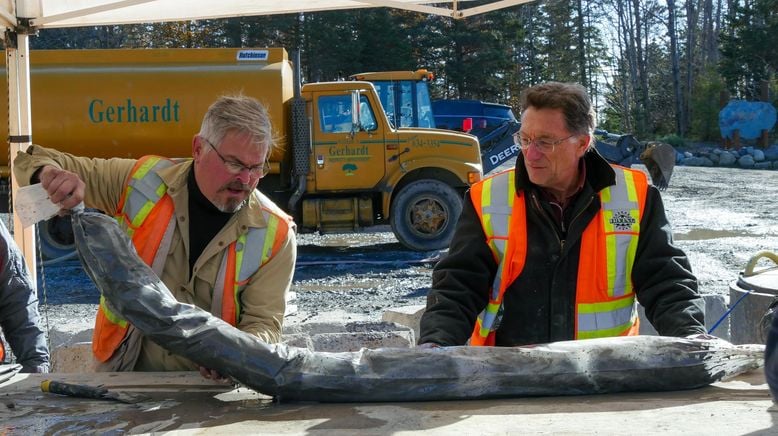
(704, 234)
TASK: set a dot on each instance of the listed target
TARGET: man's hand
(703, 336)
(427, 345)
(708, 337)
(212, 374)
(64, 188)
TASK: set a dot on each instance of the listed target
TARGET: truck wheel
(55, 237)
(424, 215)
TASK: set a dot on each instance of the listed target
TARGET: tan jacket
(263, 299)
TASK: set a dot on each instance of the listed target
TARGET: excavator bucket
(659, 158)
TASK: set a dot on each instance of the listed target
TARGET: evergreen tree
(750, 48)
(620, 50)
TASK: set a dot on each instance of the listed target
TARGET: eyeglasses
(235, 168)
(543, 145)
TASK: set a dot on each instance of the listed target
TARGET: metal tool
(94, 392)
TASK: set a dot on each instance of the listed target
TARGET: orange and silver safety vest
(142, 211)
(605, 299)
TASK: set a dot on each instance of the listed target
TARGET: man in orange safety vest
(213, 239)
(561, 247)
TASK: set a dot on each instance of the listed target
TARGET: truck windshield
(406, 102)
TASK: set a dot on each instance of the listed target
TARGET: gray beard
(226, 209)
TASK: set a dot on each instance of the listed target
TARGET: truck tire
(55, 237)
(424, 215)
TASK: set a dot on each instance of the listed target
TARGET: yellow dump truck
(341, 164)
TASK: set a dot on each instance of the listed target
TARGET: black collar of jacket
(599, 173)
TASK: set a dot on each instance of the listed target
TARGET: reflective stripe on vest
(143, 196)
(495, 198)
(605, 303)
(145, 193)
(239, 264)
(142, 208)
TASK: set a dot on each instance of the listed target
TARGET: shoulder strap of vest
(630, 189)
(501, 210)
(621, 213)
(144, 188)
(605, 300)
(244, 257)
(146, 192)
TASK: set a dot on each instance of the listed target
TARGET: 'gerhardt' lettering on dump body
(130, 112)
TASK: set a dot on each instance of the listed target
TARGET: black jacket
(771, 357)
(19, 319)
(539, 307)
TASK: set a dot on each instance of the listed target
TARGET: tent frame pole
(17, 58)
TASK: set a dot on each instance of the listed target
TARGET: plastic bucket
(751, 295)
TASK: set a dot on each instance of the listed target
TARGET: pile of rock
(744, 157)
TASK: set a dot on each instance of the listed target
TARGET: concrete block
(408, 316)
(715, 306)
(309, 328)
(340, 342)
(71, 347)
(71, 333)
(336, 336)
(73, 358)
(291, 307)
(298, 340)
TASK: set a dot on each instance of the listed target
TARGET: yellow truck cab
(404, 95)
(340, 166)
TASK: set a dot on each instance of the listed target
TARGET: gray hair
(571, 98)
(238, 113)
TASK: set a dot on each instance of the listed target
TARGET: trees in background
(653, 67)
(749, 47)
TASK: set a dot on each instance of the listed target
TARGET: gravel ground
(720, 217)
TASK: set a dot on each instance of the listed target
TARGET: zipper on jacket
(562, 224)
(559, 239)
(583, 209)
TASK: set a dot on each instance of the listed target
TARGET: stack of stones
(744, 157)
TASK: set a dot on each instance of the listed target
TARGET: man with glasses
(201, 224)
(561, 247)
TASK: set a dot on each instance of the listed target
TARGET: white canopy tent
(71, 13)
(21, 18)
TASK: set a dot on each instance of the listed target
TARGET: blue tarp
(750, 117)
